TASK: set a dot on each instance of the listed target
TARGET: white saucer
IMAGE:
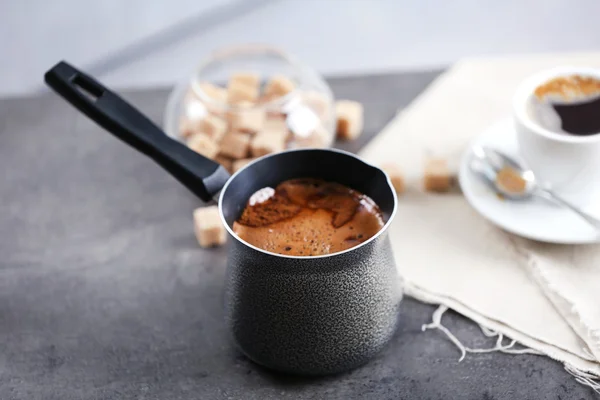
(535, 219)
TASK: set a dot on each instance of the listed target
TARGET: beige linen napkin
(546, 297)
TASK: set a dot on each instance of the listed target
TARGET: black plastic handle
(199, 174)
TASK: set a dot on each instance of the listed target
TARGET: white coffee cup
(568, 164)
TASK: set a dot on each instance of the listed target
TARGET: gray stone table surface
(104, 293)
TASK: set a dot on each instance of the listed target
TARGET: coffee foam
(308, 217)
(568, 89)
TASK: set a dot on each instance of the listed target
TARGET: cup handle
(199, 174)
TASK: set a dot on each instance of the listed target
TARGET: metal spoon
(487, 163)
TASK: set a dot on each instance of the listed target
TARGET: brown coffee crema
(568, 104)
(308, 217)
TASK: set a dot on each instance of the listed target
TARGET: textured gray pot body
(313, 315)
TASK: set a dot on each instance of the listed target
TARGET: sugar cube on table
(396, 176)
(235, 145)
(278, 86)
(203, 144)
(437, 176)
(225, 162)
(251, 120)
(208, 227)
(349, 115)
(239, 164)
(212, 126)
(266, 143)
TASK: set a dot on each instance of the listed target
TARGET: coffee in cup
(308, 217)
(568, 104)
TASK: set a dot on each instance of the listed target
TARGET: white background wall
(141, 43)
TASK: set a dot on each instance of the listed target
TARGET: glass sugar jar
(247, 101)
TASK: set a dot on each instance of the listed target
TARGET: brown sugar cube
(278, 86)
(235, 145)
(267, 143)
(277, 127)
(213, 92)
(396, 176)
(239, 164)
(242, 106)
(437, 177)
(238, 108)
(349, 115)
(243, 87)
(275, 124)
(251, 120)
(202, 144)
(208, 227)
(225, 162)
(212, 126)
(238, 93)
(247, 78)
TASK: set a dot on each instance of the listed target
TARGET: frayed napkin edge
(585, 372)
